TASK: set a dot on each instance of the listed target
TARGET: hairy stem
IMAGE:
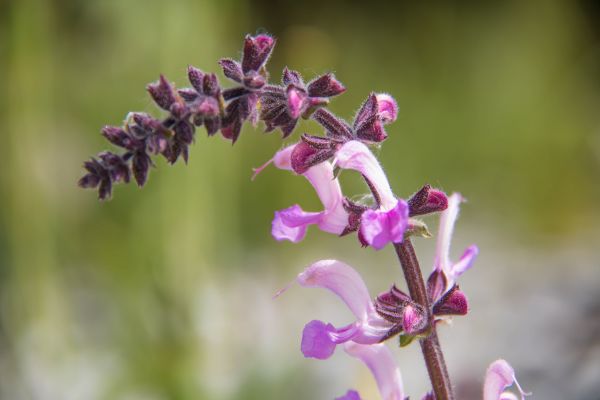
(430, 345)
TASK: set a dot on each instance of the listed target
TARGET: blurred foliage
(498, 100)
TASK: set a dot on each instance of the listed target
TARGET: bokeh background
(166, 292)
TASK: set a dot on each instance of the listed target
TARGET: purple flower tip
(162, 92)
(257, 50)
(380, 227)
(316, 341)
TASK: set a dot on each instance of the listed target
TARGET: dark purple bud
(212, 125)
(325, 86)
(211, 85)
(305, 156)
(179, 110)
(89, 181)
(334, 126)
(427, 200)
(296, 101)
(367, 125)
(140, 166)
(234, 93)
(232, 130)
(453, 302)
(196, 78)
(366, 111)
(372, 131)
(116, 167)
(207, 107)
(232, 69)
(436, 284)
(254, 80)
(163, 93)
(184, 132)
(188, 95)
(116, 136)
(105, 189)
(355, 212)
(291, 77)
(257, 50)
(318, 142)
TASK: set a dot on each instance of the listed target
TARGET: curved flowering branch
(206, 104)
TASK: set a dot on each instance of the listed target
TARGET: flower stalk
(430, 345)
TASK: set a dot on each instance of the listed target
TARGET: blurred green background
(165, 292)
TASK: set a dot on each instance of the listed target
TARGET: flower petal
(379, 359)
(447, 220)
(316, 340)
(465, 262)
(498, 377)
(355, 155)
(291, 223)
(343, 281)
(379, 228)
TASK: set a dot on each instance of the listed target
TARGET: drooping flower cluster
(207, 104)
(387, 219)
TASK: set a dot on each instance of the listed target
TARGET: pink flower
(320, 339)
(498, 377)
(388, 222)
(379, 359)
(291, 223)
(442, 263)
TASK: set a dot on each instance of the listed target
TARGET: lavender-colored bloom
(451, 270)
(380, 361)
(282, 106)
(291, 223)
(320, 339)
(388, 222)
(498, 377)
